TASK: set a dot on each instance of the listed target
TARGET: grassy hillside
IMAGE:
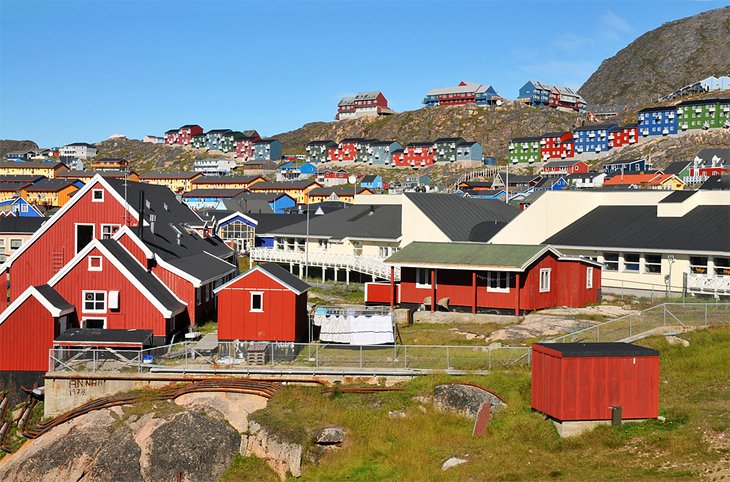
(150, 157)
(520, 444)
(16, 146)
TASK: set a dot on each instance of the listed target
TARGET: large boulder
(330, 436)
(464, 399)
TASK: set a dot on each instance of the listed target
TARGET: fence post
(360, 356)
(93, 370)
(272, 354)
(489, 358)
(705, 314)
(405, 356)
(316, 355)
(665, 313)
(448, 360)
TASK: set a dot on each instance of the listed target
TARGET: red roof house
(556, 145)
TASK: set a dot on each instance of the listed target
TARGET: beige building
(15, 231)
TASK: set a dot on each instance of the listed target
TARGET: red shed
(266, 303)
(582, 381)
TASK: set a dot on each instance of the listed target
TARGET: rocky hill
(655, 64)
(493, 127)
(150, 157)
(16, 146)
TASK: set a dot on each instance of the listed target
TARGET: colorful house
(266, 303)
(380, 152)
(86, 176)
(341, 194)
(82, 150)
(627, 166)
(49, 169)
(586, 180)
(211, 198)
(479, 277)
(291, 171)
(52, 192)
(646, 181)
(177, 182)
(214, 138)
(109, 163)
(214, 166)
(464, 93)
(267, 150)
(563, 168)
(592, 139)
(469, 151)
(317, 150)
(445, 148)
(625, 135)
(415, 155)
(540, 94)
(346, 150)
(556, 145)
(709, 162)
(552, 183)
(657, 121)
(199, 141)
(363, 104)
(19, 207)
(703, 114)
(244, 144)
(524, 150)
(16, 231)
(184, 135)
(298, 190)
(331, 177)
(371, 182)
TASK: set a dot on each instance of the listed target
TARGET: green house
(199, 141)
(703, 114)
(445, 148)
(228, 141)
(363, 150)
(524, 150)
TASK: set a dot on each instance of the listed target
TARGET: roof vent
(147, 203)
(166, 207)
(153, 218)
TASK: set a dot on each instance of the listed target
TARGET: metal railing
(362, 264)
(284, 356)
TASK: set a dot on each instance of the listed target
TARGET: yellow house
(226, 182)
(178, 182)
(341, 194)
(299, 190)
(51, 192)
(86, 176)
(9, 190)
(50, 169)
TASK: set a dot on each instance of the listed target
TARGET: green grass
(248, 469)
(520, 444)
(343, 293)
(444, 333)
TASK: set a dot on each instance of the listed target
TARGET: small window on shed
(94, 263)
(257, 302)
(97, 195)
(589, 277)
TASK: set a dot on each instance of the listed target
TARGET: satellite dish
(352, 179)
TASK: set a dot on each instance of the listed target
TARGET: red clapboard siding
(135, 310)
(25, 338)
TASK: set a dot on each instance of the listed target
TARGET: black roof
(449, 139)
(485, 231)
(368, 178)
(708, 153)
(24, 178)
(568, 163)
(584, 175)
(420, 144)
(526, 139)
(456, 216)
(80, 144)
(337, 191)
(223, 193)
(218, 131)
(51, 185)
(659, 108)
(284, 276)
(721, 183)
(676, 167)
(168, 175)
(555, 134)
(639, 227)
(321, 142)
(13, 186)
(595, 127)
(88, 336)
(623, 161)
(382, 143)
(701, 102)
(263, 185)
(54, 297)
(269, 222)
(359, 221)
(252, 202)
(612, 349)
(677, 197)
(13, 224)
(143, 277)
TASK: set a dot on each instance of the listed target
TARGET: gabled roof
(708, 153)
(525, 139)
(322, 143)
(79, 144)
(275, 272)
(463, 88)
(677, 167)
(585, 175)
(554, 134)
(370, 95)
(338, 191)
(170, 175)
(78, 174)
(51, 185)
(369, 178)
(213, 193)
(640, 228)
(218, 131)
(594, 127)
(495, 257)
(269, 223)
(55, 299)
(456, 216)
(359, 221)
(24, 178)
(286, 185)
(714, 183)
(226, 179)
(623, 161)
(46, 296)
(568, 163)
(32, 164)
(13, 186)
(455, 140)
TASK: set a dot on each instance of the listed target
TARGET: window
(94, 301)
(631, 262)
(652, 263)
(2, 246)
(279, 243)
(697, 264)
(257, 301)
(498, 281)
(589, 277)
(384, 251)
(301, 245)
(15, 244)
(98, 323)
(611, 261)
(423, 278)
(97, 195)
(94, 263)
(324, 244)
(545, 280)
(108, 230)
(722, 266)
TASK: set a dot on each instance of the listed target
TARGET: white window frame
(418, 278)
(11, 244)
(86, 318)
(498, 275)
(2, 246)
(95, 268)
(83, 302)
(607, 263)
(94, 192)
(76, 235)
(589, 277)
(545, 281)
(625, 264)
(647, 263)
(260, 294)
(112, 226)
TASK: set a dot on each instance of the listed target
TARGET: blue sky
(83, 70)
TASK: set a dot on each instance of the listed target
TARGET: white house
(82, 150)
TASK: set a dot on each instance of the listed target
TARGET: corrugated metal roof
(469, 88)
(360, 221)
(467, 254)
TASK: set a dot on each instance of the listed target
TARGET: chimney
(153, 218)
(179, 238)
(141, 214)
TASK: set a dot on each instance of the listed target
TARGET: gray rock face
(282, 456)
(330, 436)
(200, 447)
(464, 399)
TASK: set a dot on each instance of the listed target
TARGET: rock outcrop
(464, 399)
(281, 455)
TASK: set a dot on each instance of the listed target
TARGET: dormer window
(97, 195)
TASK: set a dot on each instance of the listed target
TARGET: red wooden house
(173, 243)
(490, 277)
(346, 150)
(623, 135)
(183, 135)
(332, 177)
(266, 303)
(560, 168)
(243, 142)
(415, 154)
(556, 145)
(583, 381)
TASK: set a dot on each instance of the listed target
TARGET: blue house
(290, 171)
(592, 138)
(627, 166)
(267, 150)
(469, 151)
(19, 207)
(371, 181)
(198, 199)
(551, 184)
(380, 152)
(490, 161)
(238, 231)
(486, 97)
(260, 202)
(538, 92)
(657, 121)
